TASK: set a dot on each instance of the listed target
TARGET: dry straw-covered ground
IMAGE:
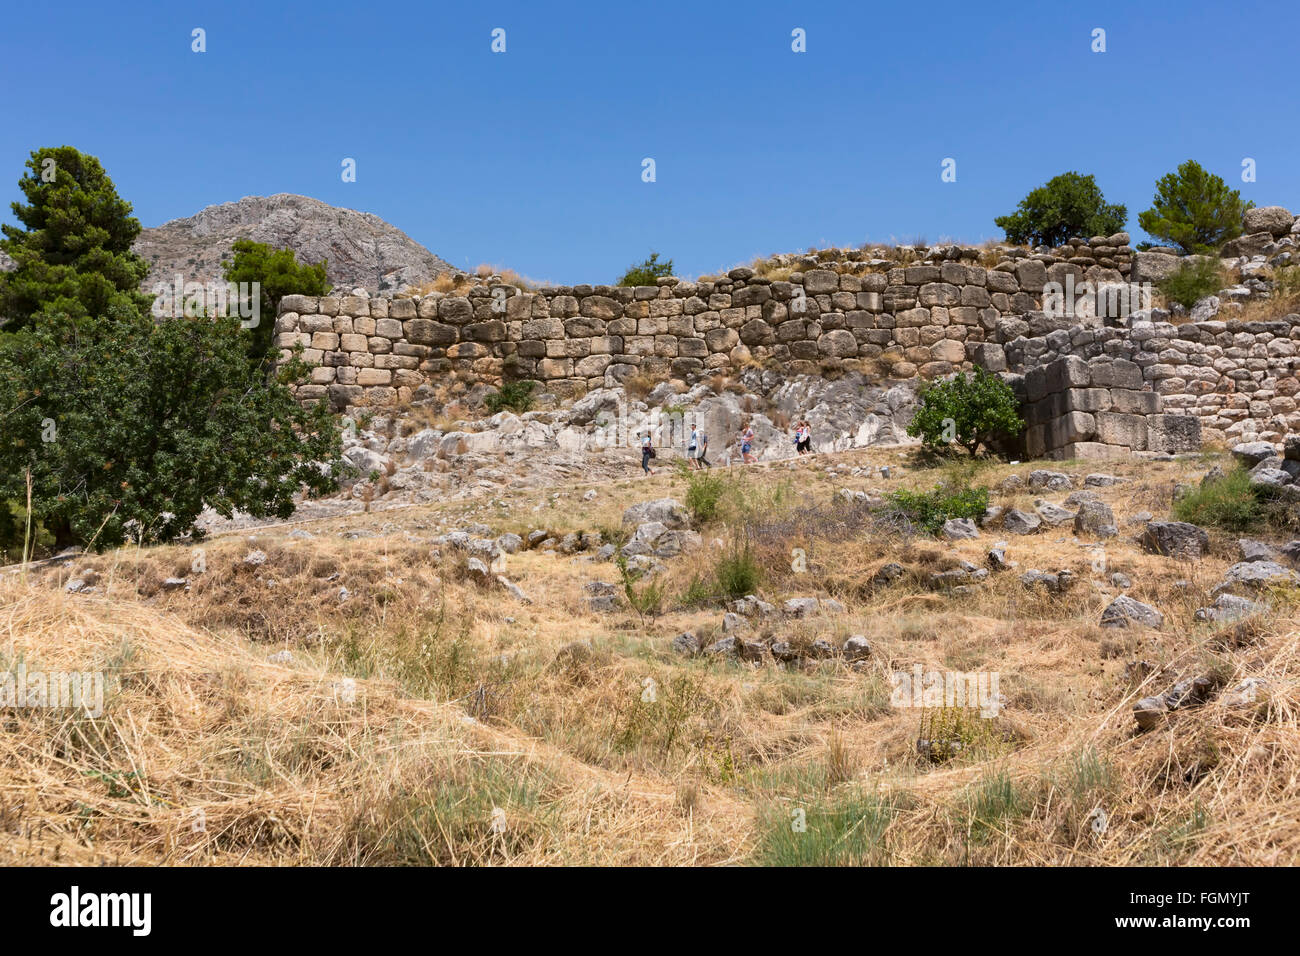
(423, 716)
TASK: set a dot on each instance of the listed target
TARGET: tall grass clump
(1231, 503)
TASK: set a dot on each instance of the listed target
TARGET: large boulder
(668, 512)
(1125, 610)
(1095, 518)
(1275, 220)
(1175, 539)
(1016, 521)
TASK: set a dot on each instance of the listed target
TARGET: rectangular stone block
(1116, 428)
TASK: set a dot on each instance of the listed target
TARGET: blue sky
(532, 159)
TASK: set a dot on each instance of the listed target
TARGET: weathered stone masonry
(898, 321)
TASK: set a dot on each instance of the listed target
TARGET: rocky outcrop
(363, 250)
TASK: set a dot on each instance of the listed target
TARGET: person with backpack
(647, 453)
(701, 447)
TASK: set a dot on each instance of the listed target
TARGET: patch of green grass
(928, 510)
(848, 831)
(1232, 503)
(991, 804)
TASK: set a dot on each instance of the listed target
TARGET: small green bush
(516, 396)
(704, 492)
(967, 410)
(1192, 281)
(737, 572)
(647, 600)
(928, 510)
(647, 271)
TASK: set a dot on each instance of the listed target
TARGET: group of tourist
(698, 445)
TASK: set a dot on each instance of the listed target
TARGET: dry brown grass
(467, 700)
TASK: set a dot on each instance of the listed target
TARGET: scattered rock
(732, 622)
(509, 543)
(1095, 518)
(1193, 692)
(1051, 480)
(1175, 539)
(856, 648)
(1053, 515)
(1252, 693)
(888, 574)
(513, 589)
(1125, 610)
(1053, 583)
(1255, 576)
(255, 559)
(666, 511)
(1255, 550)
(175, 584)
(686, 644)
(800, 607)
(960, 528)
(1016, 521)
(1228, 608)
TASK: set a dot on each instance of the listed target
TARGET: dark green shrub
(130, 426)
(1067, 205)
(967, 410)
(704, 492)
(1192, 281)
(737, 572)
(516, 396)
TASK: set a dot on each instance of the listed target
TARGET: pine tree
(74, 256)
(1195, 210)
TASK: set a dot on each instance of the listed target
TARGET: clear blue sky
(532, 159)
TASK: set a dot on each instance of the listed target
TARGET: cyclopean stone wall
(839, 310)
(1098, 409)
(1241, 380)
(846, 313)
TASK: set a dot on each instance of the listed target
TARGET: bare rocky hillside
(363, 250)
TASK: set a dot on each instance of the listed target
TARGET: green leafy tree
(278, 273)
(967, 410)
(647, 271)
(74, 255)
(1194, 209)
(1070, 204)
(130, 427)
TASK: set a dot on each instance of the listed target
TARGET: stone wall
(846, 311)
(1098, 409)
(834, 310)
(1240, 379)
